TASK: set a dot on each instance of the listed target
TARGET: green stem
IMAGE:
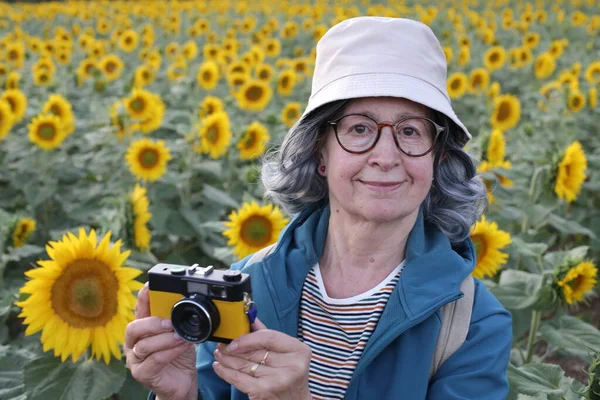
(536, 318)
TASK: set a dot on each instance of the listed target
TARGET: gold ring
(253, 369)
(136, 354)
(264, 360)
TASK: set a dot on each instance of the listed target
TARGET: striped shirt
(337, 330)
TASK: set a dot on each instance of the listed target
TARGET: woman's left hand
(265, 364)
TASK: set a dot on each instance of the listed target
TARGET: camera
(203, 303)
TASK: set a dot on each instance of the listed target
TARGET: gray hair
(454, 203)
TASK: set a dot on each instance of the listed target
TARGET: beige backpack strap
(456, 318)
(262, 253)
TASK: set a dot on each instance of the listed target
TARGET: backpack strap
(456, 318)
(262, 253)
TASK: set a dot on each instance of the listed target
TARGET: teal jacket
(397, 358)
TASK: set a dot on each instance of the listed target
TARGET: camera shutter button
(178, 271)
(232, 275)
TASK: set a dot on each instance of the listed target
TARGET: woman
(349, 299)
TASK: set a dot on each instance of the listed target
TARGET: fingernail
(216, 353)
(166, 323)
(215, 364)
(232, 346)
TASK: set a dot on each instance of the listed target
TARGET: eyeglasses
(359, 133)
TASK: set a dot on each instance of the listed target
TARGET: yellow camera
(203, 303)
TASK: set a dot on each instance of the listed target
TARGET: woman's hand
(157, 357)
(265, 364)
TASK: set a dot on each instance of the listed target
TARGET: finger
(243, 382)
(245, 364)
(258, 325)
(149, 326)
(142, 308)
(264, 339)
(155, 362)
(156, 343)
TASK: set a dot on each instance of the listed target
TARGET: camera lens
(195, 319)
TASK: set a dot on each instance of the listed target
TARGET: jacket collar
(433, 271)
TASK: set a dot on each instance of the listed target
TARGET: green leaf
(36, 194)
(11, 371)
(556, 258)
(517, 290)
(535, 379)
(47, 378)
(218, 196)
(528, 249)
(132, 389)
(569, 227)
(571, 333)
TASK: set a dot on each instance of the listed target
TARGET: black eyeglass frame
(439, 129)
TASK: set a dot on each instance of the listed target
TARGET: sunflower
(577, 280)
(141, 217)
(129, 40)
(464, 55)
(479, 80)
(81, 297)
(12, 80)
(42, 77)
(556, 49)
(253, 227)
(59, 106)
(176, 71)
(254, 95)
(209, 106)
(215, 134)
(117, 120)
(457, 85)
(148, 159)
(15, 54)
(264, 72)
(144, 75)
(155, 119)
(290, 113)
(253, 143)
(139, 104)
(211, 52)
(111, 66)
(208, 75)
(189, 50)
(592, 72)
(544, 66)
(47, 131)
(494, 58)
(593, 95)
(172, 50)
(289, 30)
(551, 91)
(507, 112)
(7, 119)
(496, 148)
(571, 173)
(22, 230)
(86, 68)
(17, 101)
(286, 81)
(272, 47)
(576, 101)
(488, 241)
(531, 40)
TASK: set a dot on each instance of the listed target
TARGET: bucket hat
(380, 56)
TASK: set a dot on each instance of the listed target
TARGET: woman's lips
(382, 186)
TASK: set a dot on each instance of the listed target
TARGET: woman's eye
(409, 132)
(360, 129)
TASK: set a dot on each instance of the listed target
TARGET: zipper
(383, 341)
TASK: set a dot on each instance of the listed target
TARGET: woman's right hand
(162, 361)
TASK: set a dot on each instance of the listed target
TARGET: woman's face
(383, 184)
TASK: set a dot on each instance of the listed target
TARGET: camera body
(203, 303)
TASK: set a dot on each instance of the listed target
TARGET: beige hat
(378, 56)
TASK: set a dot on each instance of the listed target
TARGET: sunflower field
(131, 133)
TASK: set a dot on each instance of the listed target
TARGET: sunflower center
(504, 111)
(576, 283)
(85, 295)
(480, 246)
(148, 158)
(55, 110)
(250, 140)
(264, 74)
(292, 113)
(138, 104)
(212, 134)
(477, 80)
(254, 93)
(576, 102)
(206, 76)
(12, 103)
(13, 55)
(494, 57)
(43, 77)
(455, 84)
(47, 131)
(256, 231)
(285, 81)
